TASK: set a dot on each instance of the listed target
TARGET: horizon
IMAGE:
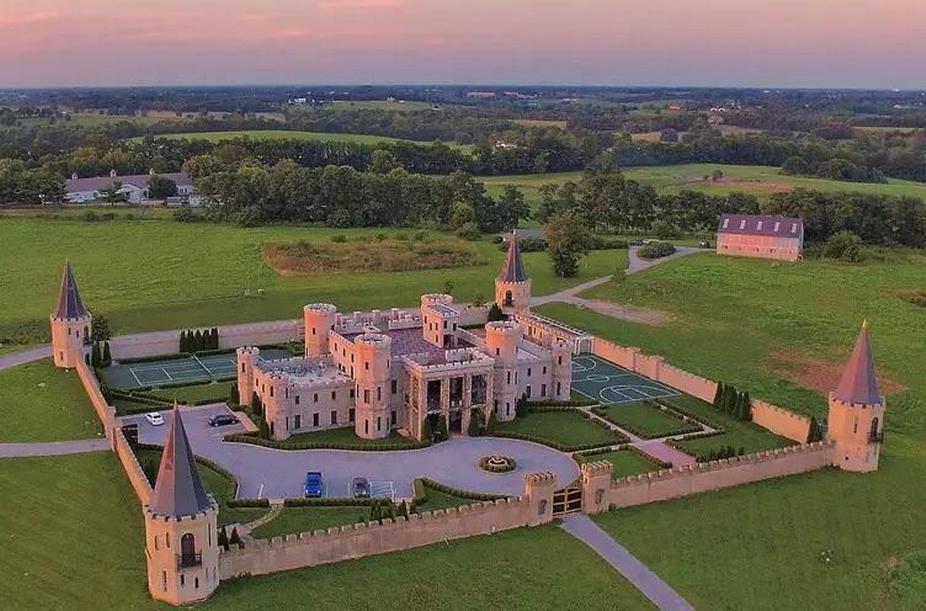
(782, 44)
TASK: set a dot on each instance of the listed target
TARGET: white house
(134, 187)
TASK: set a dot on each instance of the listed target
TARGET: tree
(383, 162)
(96, 357)
(112, 194)
(233, 397)
(403, 509)
(223, 539)
(475, 423)
(845, 246)
(718, 395)
(235, 538)
(107, 358)
(426, 433)
(520, 406)
(479, 300)
(568, 241)
(160, 187)
(747, 407)
(442, 430)
(100, 327)
(495, 313)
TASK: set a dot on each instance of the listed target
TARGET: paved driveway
(270, 473)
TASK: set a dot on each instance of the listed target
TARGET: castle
(381, 372)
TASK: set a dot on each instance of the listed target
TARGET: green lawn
(646, 421)
(769, 328)
(44, 403)
(626, 462)
(287, 134)
(751, 437)
(51, 561)
(761, 180)
(217, 263)
(218, 392)
(567, 430)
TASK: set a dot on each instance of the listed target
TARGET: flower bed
(497, 463)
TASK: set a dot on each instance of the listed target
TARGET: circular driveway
(269, 473)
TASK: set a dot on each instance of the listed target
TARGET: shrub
(469, 231)
(185, 215)
(844, 246)
(656, 250)
(495, 313)
(663, 230)
(475, 423)
(247, 503)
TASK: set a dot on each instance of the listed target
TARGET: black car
(223, 420)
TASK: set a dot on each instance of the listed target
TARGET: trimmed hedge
(681, 430)
(618, 439)
(239, 503)
(302, 444)
(508, 467)
(421, 485)
(662, 464)
(539, 405)
(330, 502)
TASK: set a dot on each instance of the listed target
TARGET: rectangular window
(352, 393)
(528, 372)
(315, 398)
(366, 427)
(315, 419)
(726, 223)
(334, 416)
(366, 395)
(350, 414)
(366, 365)
(543, 390)
(544, 370)
(298, 421)
(509, 377)
(395, 417)
(334, 396)
(379, 393)
(297, 399)
(395, 386)
(527, 391)
(379, 423)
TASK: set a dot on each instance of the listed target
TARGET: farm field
(44, 403)
(761, 180)
(509, 567)
(158, 274)
(782, 332)
(286, 134)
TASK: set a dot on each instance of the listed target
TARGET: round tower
(71, 324)
(276, 402)
(512, 286)
(372, 374)
(856, 411)
(502, 340)
(561, 353)
(247, 358)
(320, 319)
(429, 299)
(181, 537)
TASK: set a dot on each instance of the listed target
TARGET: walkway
(53, 448)
(645, 316)
(25, 356)
(657, 448)
(655, 589)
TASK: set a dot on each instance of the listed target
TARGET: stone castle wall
(704, 477)
(106, 413)
(359, 540)
(776, 419)
(132, 468)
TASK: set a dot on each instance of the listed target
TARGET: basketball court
(607, 383)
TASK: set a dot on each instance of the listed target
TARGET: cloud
(15, 21)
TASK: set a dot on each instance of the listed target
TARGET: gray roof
(69, 303)
(757, 224)
(98, 183)
(178, 491)
(859, 383)
(440, 308)
(513, 268)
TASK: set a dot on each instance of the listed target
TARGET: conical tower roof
(858, 383)
(69, 303)
(179, 491)
(513, 267)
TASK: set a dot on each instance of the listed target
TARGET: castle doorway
(456, 422)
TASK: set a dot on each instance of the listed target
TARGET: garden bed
(647, 419)
(564, 429)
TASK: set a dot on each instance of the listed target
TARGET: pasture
(782, 331)
(288, 134)
(160, 274)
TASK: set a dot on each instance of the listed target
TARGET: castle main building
(384, 371)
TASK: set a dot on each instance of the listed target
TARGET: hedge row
(233, 503)
(618, 438)
(682, 410)
(561, 403)
(301, 444)
(681, 430)
(330, 502)
(421, 485)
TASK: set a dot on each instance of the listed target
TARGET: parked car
(314, 487)
(361, 488)
(223, 420)
(154, 418)
(637, 242)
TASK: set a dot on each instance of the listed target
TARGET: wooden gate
(567, 500)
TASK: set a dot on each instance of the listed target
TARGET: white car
(154, 418)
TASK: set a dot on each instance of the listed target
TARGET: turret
(276, 401)
(71, 324)
(501, 342)
(247, 359)
(856, 415)
(320, 319)
(181, 540)
(439, 320)
(512, 286)
(372, 374)
(562, 369)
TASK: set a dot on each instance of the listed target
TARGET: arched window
(508, 299)
(187, 545)
(873, 434)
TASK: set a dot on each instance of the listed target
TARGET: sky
(749, 43)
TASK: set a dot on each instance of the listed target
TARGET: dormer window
(777, 227)
(743, 224)
(726, 223)
(759, 226)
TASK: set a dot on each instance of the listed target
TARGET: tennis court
(606, 382)
(191, 369)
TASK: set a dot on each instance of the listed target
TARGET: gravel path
(53, 448)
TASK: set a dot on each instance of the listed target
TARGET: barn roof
(140, 181)
(764, 225)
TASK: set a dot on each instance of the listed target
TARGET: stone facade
(385, 371)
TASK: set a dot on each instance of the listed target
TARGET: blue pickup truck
(314, 487)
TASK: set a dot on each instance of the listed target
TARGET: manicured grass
(565, 430)
(189, 395)
(761, 180)
(759, 546)
(646, 421)
(139, 292)
(51, 560)
(287, 134)
(626, 462)
(44, 403)
(747, 435)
